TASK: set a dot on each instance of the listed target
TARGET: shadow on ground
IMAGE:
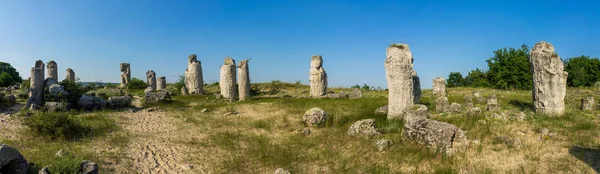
(522, 105)
(590, 156)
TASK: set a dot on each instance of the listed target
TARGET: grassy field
(265, 133)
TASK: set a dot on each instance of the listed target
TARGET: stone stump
(399, 76)
(70, 75)
(468, 101)
(161, 83)
(227, 80)
(151, 79)
(125, 74)
(52, 70)
(549, 80)
(36, 85)
(588, 103)
(318, 77)
(492, 103)
(243, 80)
(439, 87)
(441, 104)
(194, 81)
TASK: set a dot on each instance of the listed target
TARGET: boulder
(88, 167)
(57, 90)
(588, 103)
(281, 171)
(158, 96)
(314, 117)
(441, 104)
(357, 93)
(382, 110)
(416, 112)
(454, 108)
(364, 127)
(383, 144)
(435, 134)
(119, 102)
(11, 160)
(476, 111)
(45, 170)
(492, 103)
(56, 107)
(88, 102)
(148, 89)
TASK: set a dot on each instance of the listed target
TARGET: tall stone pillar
(70, 75)
(125, 74)
(193, 76)
(549, 80)
(318, 77)
(399, 75)
(243, 80)
(53, 70)
(439, 87)
(227, 80)
(151, 78)
(161, 83)
(36, 85)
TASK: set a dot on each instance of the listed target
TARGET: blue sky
(93, 36)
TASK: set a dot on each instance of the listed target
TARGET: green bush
(510, 69)
(9, 75)
(69, 126)
(136, 83)
(75, 90)
(583, 71)
(455, 79)
(180, 82)
(476, 78)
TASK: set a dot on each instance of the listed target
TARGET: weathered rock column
(36, 85)
(399, 75)
(439, 87)
(125, 74)
(243, 80)
(549, 80)
(194, 81)
(492, 103)
(588, 103)
(161, 83)
(416, 88)
(318, 77)
(227, 80)
(151, 78)
(53, 70)
(70, 75)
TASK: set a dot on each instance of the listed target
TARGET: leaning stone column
(53, 70)
(36, 85)
(439, 87)
(70, 75)
(161, 83)
(318, 77)
(399, 75)
(125, 74)
(151, 78)
(243, 80)
(227, 80)
(549, 80)
(194, 81)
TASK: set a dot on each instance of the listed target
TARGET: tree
(583, 71)
(476, 78)
(510, 69)
(455, 79)
(366, 87)
(9, 75)
(355, 86)
(136, 83)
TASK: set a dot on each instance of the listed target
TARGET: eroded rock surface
(549, 80)
(228, 80)
(399, 74)
(194, 81)
(318, 77)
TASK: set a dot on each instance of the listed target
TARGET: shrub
(68, 126)
(180, 82)
(75, 90)
(510, 69)
(455, 79)
(136, 83)
(583, 71)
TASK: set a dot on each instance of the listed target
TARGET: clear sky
(93, 36)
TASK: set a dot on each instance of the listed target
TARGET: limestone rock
(588, 103)
(281, 171)
(436, 135)
(151, 79)
(56, 107)
(357, 93)
(399, 75)
(11, 160)
(476, 111)
(70, 75)
(37, 85)
(119, 101)
(243, 80)
(148, 89)
(88, 167)
(416, 88)
(508, 141)
(10, 99)
(318, 77)
(88, 102)
(53, 70)
(382, 110)
(158, 96)
(161, 83)
(441, 104)
(478, 96)
(57, 90)
(468, 101)
(61, 153)
(439, 87)
(492, 103)
(184, 91)
(416, 112)
(125, 74)
(228, 80)
(521, 116)
(549, 80)
(306, 131)
(454, 108)
(383, 144)
(364, 127)
(45, 170)
(314, 117)
(194, 81)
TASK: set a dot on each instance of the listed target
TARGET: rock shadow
(590, 156)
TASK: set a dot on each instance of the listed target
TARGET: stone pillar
(492, 103)
(243, 80)
(227, 80)
(184, 91)
(53, 70)
(36, 85)
(161, 83)
(549, 80)
(441, 104)
(318, 77)
(70, 75)
(416, 88)
(151, 78)
(125, 74)
(439, 87)
(398, 70)
(588, 103)
(194, 81)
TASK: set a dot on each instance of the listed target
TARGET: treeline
(510, 69)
